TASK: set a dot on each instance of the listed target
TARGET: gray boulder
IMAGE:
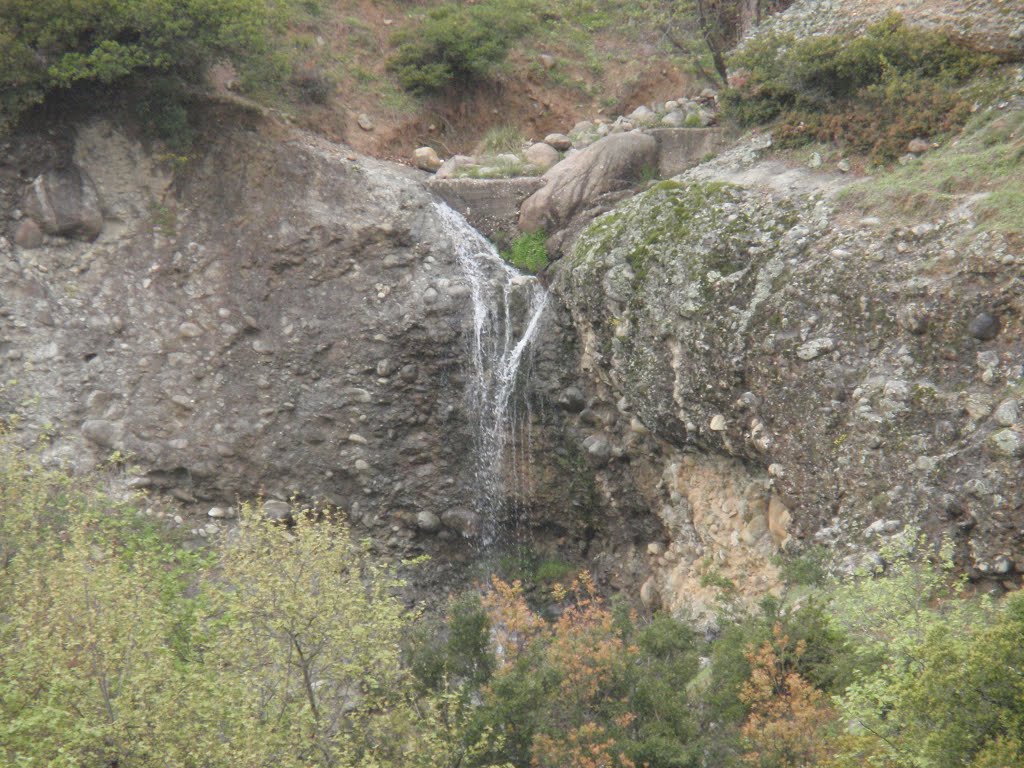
(65, 202)
(614, 163)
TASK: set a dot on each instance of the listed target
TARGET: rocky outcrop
(993, 26)
(282, 319)
(770, 378)
(64, 202)
(611, 164)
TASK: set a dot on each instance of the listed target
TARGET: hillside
(711, 456)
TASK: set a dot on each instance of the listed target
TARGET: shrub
(528, 253)
(458, 43)
(51, 44)
(873, 93)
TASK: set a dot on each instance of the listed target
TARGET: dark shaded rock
(984, 326)
(572, 400)
(277, 511)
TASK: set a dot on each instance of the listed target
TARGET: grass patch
(502, 139)
(988, 159)
(528, 253)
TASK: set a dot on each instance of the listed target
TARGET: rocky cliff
(280, 319)
(782, 374)
(733, 367)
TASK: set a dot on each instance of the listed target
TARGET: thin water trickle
(507, 310)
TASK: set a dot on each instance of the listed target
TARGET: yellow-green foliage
(280, 649)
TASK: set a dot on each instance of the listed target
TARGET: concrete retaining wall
(490, 205)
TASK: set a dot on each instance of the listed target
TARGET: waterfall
(507, 309)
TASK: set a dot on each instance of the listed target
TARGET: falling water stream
(507, 309)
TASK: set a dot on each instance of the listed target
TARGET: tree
(302, 637)
(55, 44)
(787, 714)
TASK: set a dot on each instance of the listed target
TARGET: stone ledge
(489, 205)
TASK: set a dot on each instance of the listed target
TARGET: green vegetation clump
(872, 93)
(46, 45)
(459, 44)
(120, 647)
(528, 253)
(502, 139)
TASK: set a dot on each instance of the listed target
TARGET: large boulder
(64, 201)
(611, 164)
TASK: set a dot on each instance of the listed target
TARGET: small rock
(362, 465)
(357, 438)
(462, 521)
(674, 119)
(918, 146)
(642, 116)
(598, 447)
(428, 522)
(426, 159)
(717, 423)
(559, 141)
(105, 434)
(582, 127)
(984, 327)
(277, 511)
(1002, 566)
(546, 61)
(843, 166)
(365, 122)
(542, 155)
(28, 234)
(211, 529)
(815, 161)
(815, 348)
(1007, 413)
(656, 548)
(221, 513)
(190, 330)
(1008, 442)
(450, 166)
(571, 399)
(649, 595)
(912, 318)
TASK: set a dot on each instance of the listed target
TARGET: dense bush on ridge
(872, 93)
(459, 44)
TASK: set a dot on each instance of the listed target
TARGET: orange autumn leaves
(590, 661)
(787, 713)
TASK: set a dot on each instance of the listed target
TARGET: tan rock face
(725, 524)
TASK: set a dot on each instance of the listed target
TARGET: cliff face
(785, 374)
(732, 365)
(281, 319)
